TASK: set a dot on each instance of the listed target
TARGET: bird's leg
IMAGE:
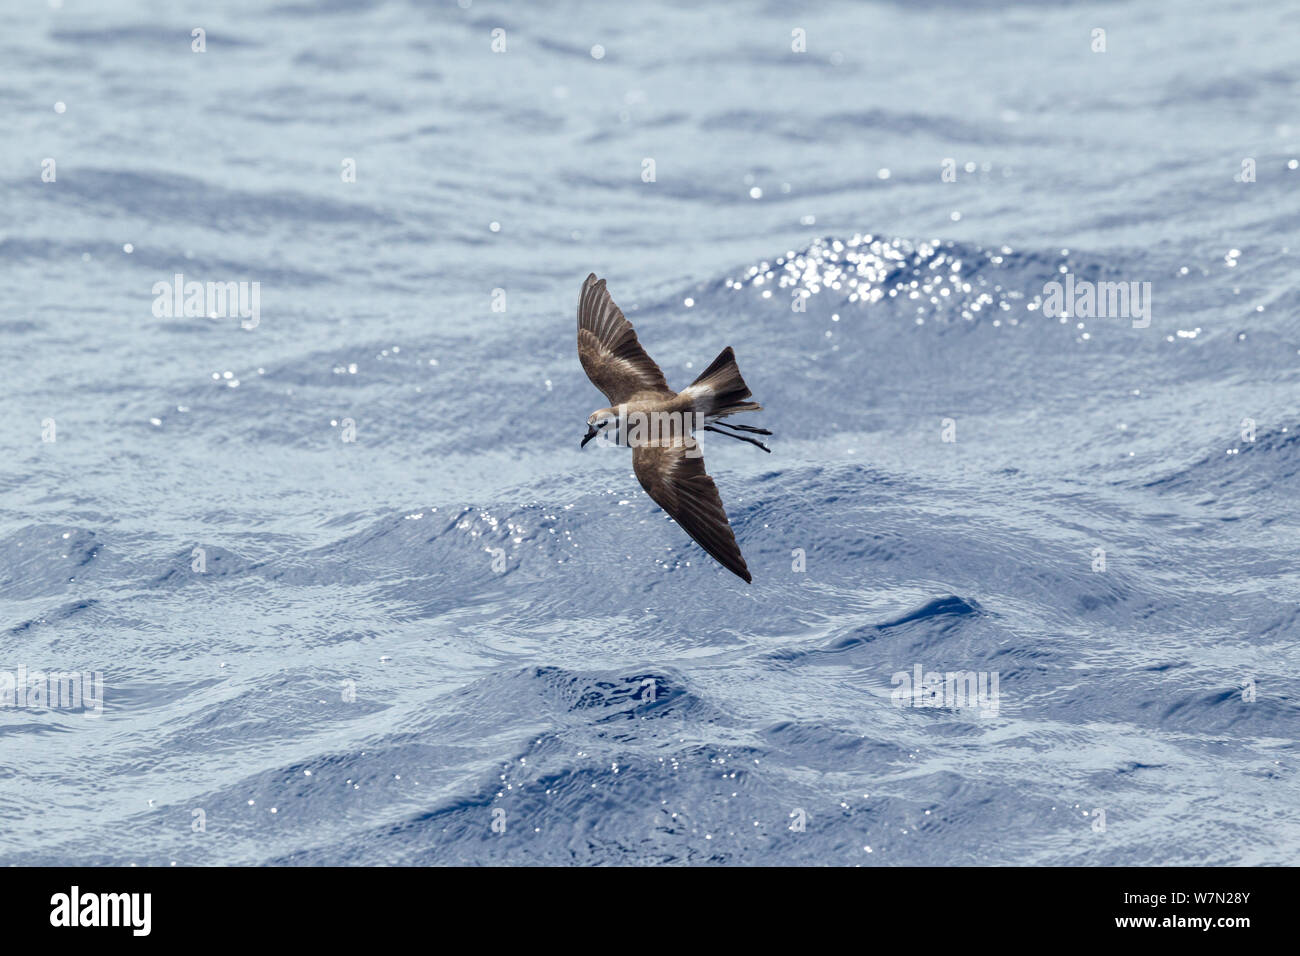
(744, 428)
(752, 441)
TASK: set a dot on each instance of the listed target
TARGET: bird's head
(601, 422)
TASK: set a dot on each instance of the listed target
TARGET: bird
(659, 424)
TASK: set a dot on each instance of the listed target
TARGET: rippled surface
(617, 695)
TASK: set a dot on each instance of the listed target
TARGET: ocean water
(456, 638)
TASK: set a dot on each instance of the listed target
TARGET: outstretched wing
(679, 484)
(608, 349)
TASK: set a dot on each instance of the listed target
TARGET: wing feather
(679, 484)
(608, 348)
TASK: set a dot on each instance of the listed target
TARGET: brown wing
(680, 485)
(608, 349)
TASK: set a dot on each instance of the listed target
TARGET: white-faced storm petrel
(659, 424)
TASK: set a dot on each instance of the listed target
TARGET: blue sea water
(348, 679)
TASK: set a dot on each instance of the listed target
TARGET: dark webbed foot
(752, 441)
(744, 428)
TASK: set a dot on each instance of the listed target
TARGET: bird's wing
(607, 346)
(679, 484)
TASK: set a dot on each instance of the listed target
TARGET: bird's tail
(720, 391)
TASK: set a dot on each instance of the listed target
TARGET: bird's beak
(591, 433)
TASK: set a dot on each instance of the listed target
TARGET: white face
(601, 423)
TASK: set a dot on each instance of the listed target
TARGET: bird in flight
(659, 424)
